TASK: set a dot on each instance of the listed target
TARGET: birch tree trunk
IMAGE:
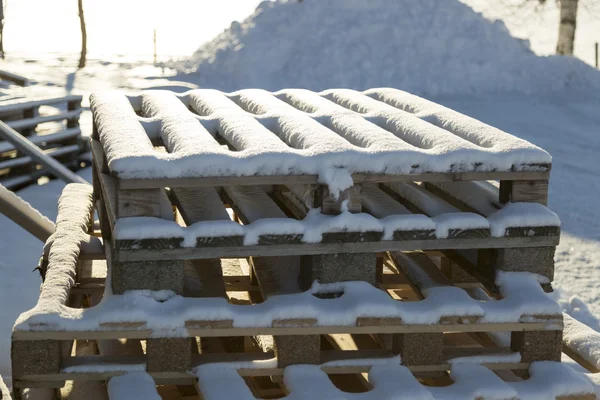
(2, 29)
(82, 58)
(568, 24)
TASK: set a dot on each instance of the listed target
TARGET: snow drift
(424, 46)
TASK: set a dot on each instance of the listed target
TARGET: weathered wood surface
(126, 253)
(257, 180)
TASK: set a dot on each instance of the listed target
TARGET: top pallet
(335, 137)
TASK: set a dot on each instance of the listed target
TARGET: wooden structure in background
(51, 124)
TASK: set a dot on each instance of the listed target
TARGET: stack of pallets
(346, 241)
(51, 123)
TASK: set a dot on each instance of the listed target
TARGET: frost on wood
(331, 134)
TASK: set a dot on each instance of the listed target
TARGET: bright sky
(119, 26)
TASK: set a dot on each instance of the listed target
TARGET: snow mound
(426, 47)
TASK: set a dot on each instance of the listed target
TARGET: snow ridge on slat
(390, 380)
(360, 299)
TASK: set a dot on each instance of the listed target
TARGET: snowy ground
(565, 123)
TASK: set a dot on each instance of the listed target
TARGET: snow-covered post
(568, 24)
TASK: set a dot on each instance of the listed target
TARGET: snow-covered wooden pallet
(296, 136)
(52, 123)
(43, 337)
(275, 222)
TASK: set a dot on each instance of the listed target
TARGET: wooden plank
(257, 180)
(275, 275)
(421, 201)
(139, 203)
(28, 102)
(252, 204)
(332, 355)
(291, 249)
(204, 278)
(285, 330)
(54, 152)
(533, 191)
(25, 146)
(38, 140)
(33, 122)
(14, 78)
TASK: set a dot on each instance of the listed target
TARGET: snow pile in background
(426, 47)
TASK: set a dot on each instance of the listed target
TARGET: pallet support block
(331, 268)
(35, 357)
(419, 348)
(168, 354)
(297, 349)
(147, 275)
(537, 260)
(524, 191)
(537, 345)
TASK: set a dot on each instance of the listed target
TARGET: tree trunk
(2, 29)
(82, 58)
(566, 30)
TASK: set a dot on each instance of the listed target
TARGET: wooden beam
(313, 179)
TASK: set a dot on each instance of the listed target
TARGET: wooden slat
(54, 152)
(289, 249)
(28, 102)
(299, 330)
(14, 78)
(332, 355)
(45, 138)
(258, 180)
(32, 122)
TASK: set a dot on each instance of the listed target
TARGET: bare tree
(568, 17)
(567, 26)
(83, 55)
(2, 28)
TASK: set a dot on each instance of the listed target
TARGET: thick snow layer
(133, 385)
(521, 296)
(521, 214)
(474, 382)
(315, 224)
(166, 313)
(583, 340)
(393, 381)
(550, 380)
(387, 131)
(417, 46)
